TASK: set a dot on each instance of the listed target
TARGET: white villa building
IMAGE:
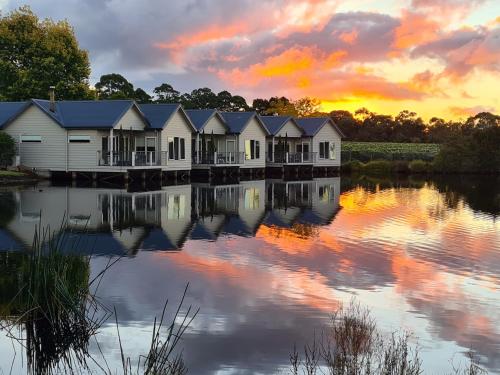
(91, 139)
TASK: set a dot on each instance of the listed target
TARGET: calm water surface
(268, 261)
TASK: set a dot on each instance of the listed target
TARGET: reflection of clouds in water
(410, 257)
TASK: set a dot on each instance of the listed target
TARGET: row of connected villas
(92, 138)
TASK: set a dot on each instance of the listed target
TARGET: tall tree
(142, 96)
(200, 99)
(260, 105)
(165, 93)
(36, 54)
(114, 86)
(307, 106)
(227, 102)
(281, 106)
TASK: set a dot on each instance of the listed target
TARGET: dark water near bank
(268, 261)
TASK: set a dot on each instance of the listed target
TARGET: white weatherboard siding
(83, 156)
(290, 130)
(254, 131)
(215, 125)
(131, 120)
(50, 153)
(327, 133)
(177, 126)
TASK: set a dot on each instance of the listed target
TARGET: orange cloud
(350, 37)
(415, 28)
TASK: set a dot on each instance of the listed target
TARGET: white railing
(291, 157)
(219, 158)
(132, 159)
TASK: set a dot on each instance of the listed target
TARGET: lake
(268, 261)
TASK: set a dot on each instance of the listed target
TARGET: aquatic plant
(162, 357)
(353, 345)
(53, 307)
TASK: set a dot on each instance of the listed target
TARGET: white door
(231, 150)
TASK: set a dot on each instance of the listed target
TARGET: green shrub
(378, 167)
(419, 166)
(400, 166)
(7, 149)
(353, 166)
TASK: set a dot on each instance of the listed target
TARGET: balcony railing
(132, 159)
(219, 158)
(292, 157)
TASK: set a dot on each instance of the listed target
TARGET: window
(183, 148)
(176, 148)
(79, 139)
(140, 144)
(323, 150)
(252, 149)
(332, 151)
(31, 139)
(327, 150)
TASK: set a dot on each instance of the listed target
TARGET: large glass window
(176, 148)
(252, 149)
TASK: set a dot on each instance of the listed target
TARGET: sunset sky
(436, 57)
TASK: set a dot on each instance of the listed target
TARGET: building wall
(327, 133)
(177, 126)
(82, 156)
(131, 120)
(254, 131)
(290, 130)
(50, 154)
(215, 125)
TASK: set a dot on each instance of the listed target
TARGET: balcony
(291, 158)
(132, 159)
(219, 158)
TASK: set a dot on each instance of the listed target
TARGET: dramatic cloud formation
(428, 56)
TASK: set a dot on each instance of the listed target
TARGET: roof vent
(52, 96)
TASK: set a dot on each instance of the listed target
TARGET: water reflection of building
(306, 202)
(105, 221)
(117, 222)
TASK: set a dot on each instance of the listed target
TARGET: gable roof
(88, 114)
(10, 110)
(312, 125)
(159, 114)
(200, 117)
(238, 121)
(275, 123)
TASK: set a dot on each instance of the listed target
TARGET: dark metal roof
(275, 123)
(9, 110)
(237, 121)
(311, 125)
(158, 114)
(92, 114)
(200, 117)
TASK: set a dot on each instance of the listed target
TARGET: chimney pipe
(52, 96)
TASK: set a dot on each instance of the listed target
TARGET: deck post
(133, 158)
(197, 148)
(272, 150)
(286, 157)
(111, 151)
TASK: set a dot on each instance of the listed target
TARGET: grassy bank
(386, 167)
(369, 151)
(8, 177)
